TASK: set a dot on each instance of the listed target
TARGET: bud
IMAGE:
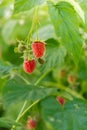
(21, 48)
(41, 61)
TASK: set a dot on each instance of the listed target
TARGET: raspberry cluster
(38, 49)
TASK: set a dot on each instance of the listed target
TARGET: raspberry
(38, 49)
(62, 73)
(71, 79)
(60, 100)
(29, 66)
(21, 48)
(31, 124)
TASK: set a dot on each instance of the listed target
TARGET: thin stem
(37, 21)
(21, 114)
(5, 76)
(28, 38)
(25, 80)
(14, 126)
(42, 77)
(29, 108)
(62, 87)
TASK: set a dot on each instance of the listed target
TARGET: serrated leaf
(4, 69)
(23, 5)
(55, 54)
(77, 8)
(72, 117)
(15, 90)
(83, 4)
(66, 26)
(6, 122)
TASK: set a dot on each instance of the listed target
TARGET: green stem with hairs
(22, 113)
(14, 126)
(42, 77)
(25, 80)
(62, 87)
(34, 23)
(37, 21)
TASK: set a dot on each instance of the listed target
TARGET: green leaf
(45, 33)
(66, 26)
(8, 29)
(5, 2)
(72, 117)
(17, 90)
(4, 69)
(55, 54)
(7, 122)
(77, 8)
(83, 4)
(23, 5)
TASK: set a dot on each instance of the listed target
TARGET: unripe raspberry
(38, 49)
(31, 124)
(21, 48)
(62, 73)
(60, 100)
(71, 79)
(29, 66)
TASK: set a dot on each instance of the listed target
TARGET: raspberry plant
(43, 65)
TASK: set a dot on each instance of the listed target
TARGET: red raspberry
(29, 66)
(31, 124)
(60, 100)
(38, 49)
(71, 79)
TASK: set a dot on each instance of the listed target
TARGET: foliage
(62, 26)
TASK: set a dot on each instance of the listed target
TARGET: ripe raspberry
(71, 79)
(60, 100)
(38, 49)
(29, 66)
(31, 124)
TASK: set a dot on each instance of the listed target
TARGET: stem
(14, 126)
(5, 76)
(21, 114)
(37, 23)
(28, 38)
(25, 80)
(42, 77)
(29, 108)
(60, 86)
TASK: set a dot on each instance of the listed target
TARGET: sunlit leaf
(67, 27)
(23, 5)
